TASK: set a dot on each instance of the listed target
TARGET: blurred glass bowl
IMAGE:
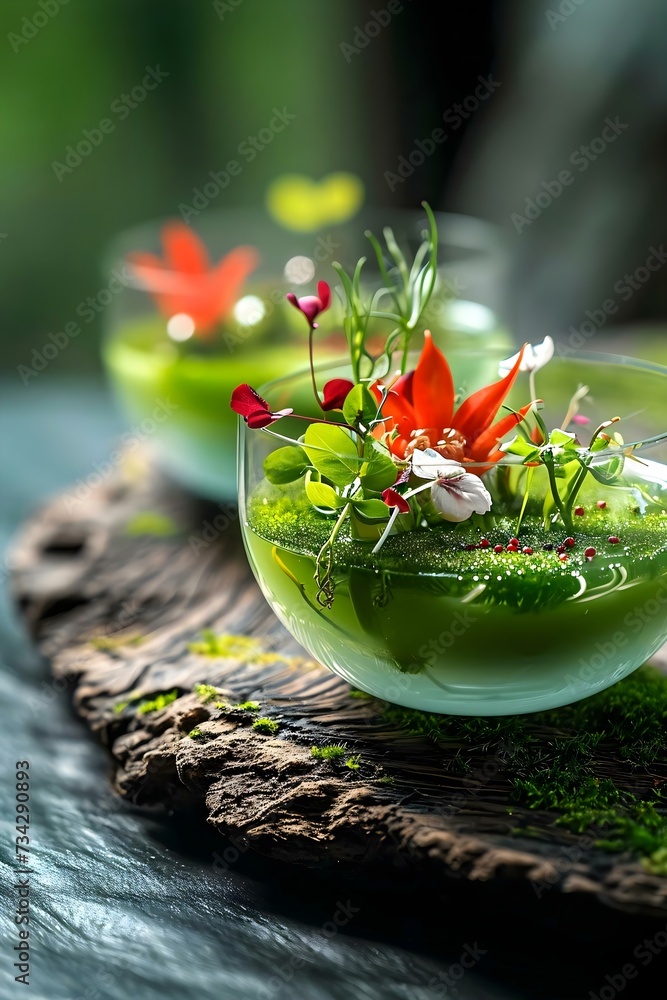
(153, 363)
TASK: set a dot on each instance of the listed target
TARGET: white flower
(535, 356)
(456, 493)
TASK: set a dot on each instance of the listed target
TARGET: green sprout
(266, 726)
(332, 752)
(158, 703)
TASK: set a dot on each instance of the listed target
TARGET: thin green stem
(312, 366)
(549, 463)
(324, 563)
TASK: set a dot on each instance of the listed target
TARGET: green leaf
(360, 406)
(381, 366)
(608, 473)
(332, 452)
(526, 450)
(379, 470)
(321, 495)
(371, 510)
(285, 465)
(562, 439)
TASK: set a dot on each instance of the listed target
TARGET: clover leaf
(332, 452)
(285, 465)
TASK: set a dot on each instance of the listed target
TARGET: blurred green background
(361, 99)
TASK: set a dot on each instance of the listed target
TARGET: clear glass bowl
(433, 625)
(196, 441)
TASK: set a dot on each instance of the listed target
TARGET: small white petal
(428, 464)
(457, 498)
(535, 356)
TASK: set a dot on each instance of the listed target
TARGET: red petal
(259, 418)
(404, 386)
(393, 498)
(335, 393)
(476, 413)
(323, 294)
(397, 406)
(183, 249)
(479, 449)
(433, 388)
(247, 402)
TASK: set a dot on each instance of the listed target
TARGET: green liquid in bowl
(429, 625)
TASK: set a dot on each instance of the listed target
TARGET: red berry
(560, 549)
(590, 553)
(613, 539)
(484, 543)
(579, 511)
(498, 548)
(569, 542)
(512, 548)
(470, 548)
(514, 541)
(563, 557)
(601, 504)
(528, 551)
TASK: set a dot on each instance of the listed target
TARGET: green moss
(353, 762)
(205, 692)
(120, 706)
(386, 779)
(246, 706)
(266, 726)
(221, 705)
(108, 643)
(196, 733)
(438, 554)
(159, 702)
(558, 761)
(237, 647)
(152, 523)
(360, 694)
(332, 752)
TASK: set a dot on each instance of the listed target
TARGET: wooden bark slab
(117, 585)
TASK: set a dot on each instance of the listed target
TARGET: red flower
(419, 409)
(393, 498)
(335, 393)
(312, 305)
(185, 282)
(248, 403)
